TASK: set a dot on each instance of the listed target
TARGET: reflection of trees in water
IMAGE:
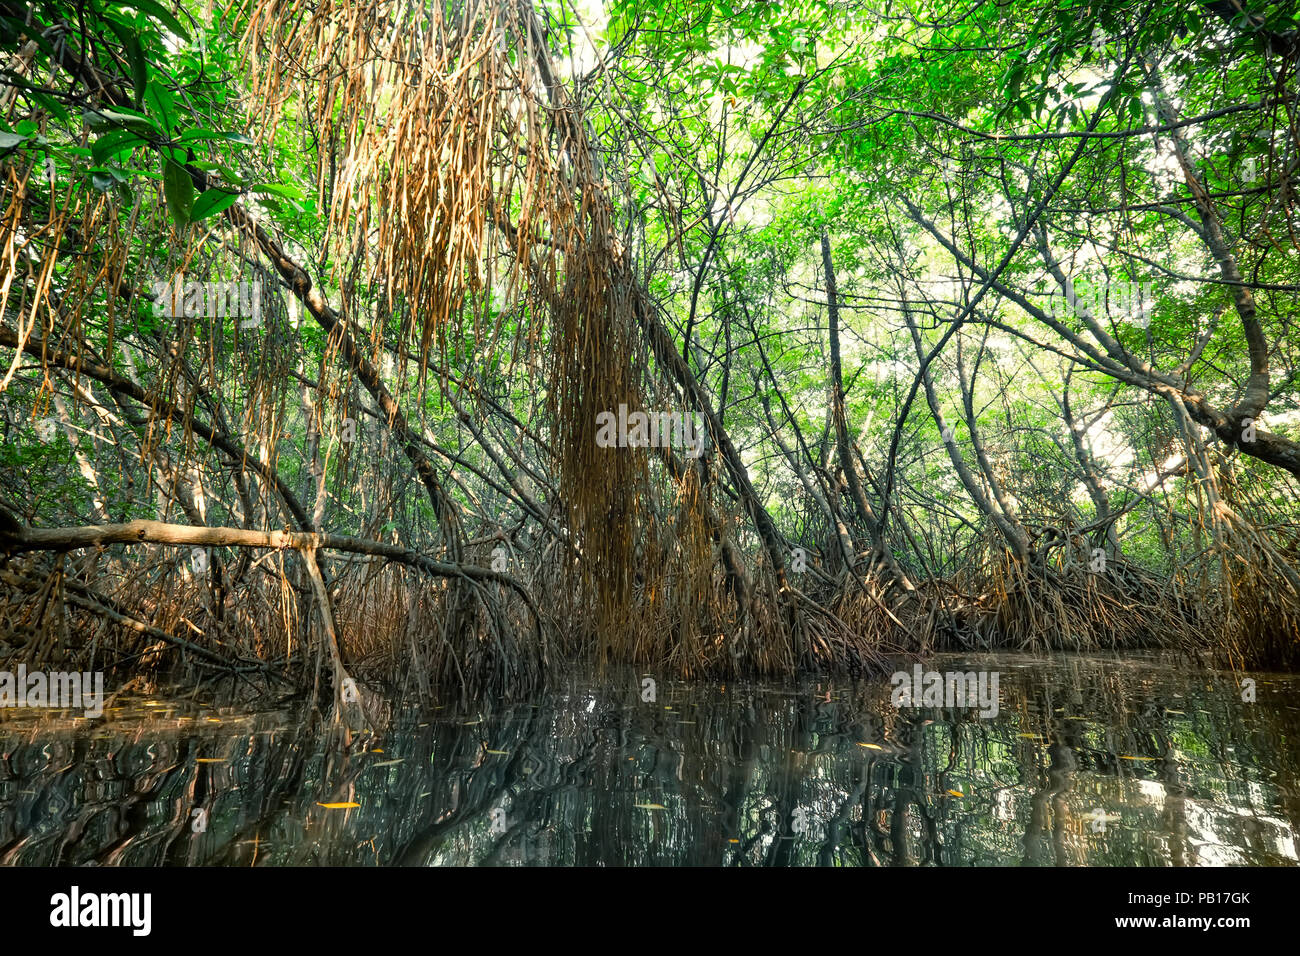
(746, 776)
(129, 799)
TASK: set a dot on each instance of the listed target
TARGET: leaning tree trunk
(880, 550)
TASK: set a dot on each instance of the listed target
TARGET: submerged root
(255, 628)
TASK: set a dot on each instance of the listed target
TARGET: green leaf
(212, 202)
(48, 103)
(114, 143)
(10, 140)
(130, 40)
(230, 175)
(1015, 77)
(34, 31)
(104, 178)
(158, 12)
(139, 68)
(205, 134)
(160, 101)
(178, 188)
(97, 119)
(276, 189)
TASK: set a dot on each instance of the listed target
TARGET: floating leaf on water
(733, 840)
(955, 793)
(387, 763)
(210, 760)
(1031, 736)
(376, 751)
(1123, 757)
(338, 806)
(871, 746)
(501, 752)
(650, 806)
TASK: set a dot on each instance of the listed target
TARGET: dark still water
(1090, 761)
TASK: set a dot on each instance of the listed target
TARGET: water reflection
(1091, 761)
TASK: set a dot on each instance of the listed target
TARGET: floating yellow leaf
(872, 746)
(650, 806)
(733, 840)
(502, 752)
(210, 760)
(1136, 758)
(1031, 736)
(376, 751)
(337, 806)
(955, 793)
(386, 763)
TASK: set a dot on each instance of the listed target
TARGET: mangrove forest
(650, 432)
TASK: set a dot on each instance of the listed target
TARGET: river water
(1089, 761)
